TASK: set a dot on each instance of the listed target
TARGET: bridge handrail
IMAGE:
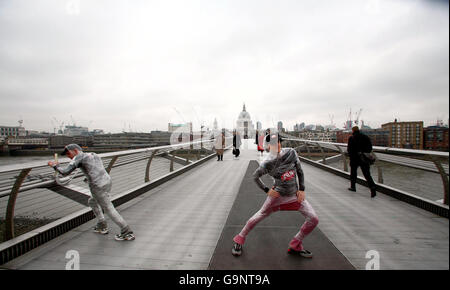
(15, 167)
(379, 148)
(16, 178)
(388, 154)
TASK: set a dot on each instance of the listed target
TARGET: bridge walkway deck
(178, 225)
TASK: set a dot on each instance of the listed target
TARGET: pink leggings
(273, 204)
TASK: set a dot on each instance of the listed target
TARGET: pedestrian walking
(236, 143)
(219, 144)
(358, 144)
(260, 145)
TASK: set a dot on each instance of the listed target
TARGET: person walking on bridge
(260, 145)
(99, 185)
(219, 145)
(286, 194)
(359, 143)
(236, 143)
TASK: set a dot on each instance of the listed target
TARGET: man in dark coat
(357, 144)
(236, 143)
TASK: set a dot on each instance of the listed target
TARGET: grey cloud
(294, 60)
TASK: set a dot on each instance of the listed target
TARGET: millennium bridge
(185, 207)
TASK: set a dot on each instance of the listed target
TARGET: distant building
(379, 137)
(325, 136)
(342, 136)
(31, 132)
(280, 126)
(299, 127)
(59, 141)
(160, 137)
(123, 140)
(12, 131)
(408, 135)
(244, 124)
(258, 125)
(97, 132)
(27, 143)
(72, 130)
(436, 138)
(320, 128)
(84, 141)
(187, 127)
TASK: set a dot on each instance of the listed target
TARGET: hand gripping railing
(135, 163)
(432, 161)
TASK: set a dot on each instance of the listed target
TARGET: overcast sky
(141, 64)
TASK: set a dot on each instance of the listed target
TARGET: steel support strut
(9, 219)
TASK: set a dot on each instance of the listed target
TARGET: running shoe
(127, 236)
(101, 228)
(304, 253)
(236, 250)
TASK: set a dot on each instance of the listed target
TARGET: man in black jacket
(357, 144)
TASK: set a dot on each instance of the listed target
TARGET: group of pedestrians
(287, 193)
(219, 144)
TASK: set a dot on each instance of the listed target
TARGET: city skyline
(140, 66)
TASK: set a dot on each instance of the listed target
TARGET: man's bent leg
(366, 172)
(105, 202)
(264, 212)
(96, 209)
(311, 221)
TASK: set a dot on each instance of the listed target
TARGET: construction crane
(54, 126)
(179, 114)
(331, 125)
(348, 123)
(73, 121)
(58, 123)
(357, 117)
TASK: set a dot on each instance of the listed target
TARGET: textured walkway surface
(178, 226)
(406, 237)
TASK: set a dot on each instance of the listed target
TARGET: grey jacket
(92, 167)
(285, 168)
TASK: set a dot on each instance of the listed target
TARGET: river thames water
(9, 160)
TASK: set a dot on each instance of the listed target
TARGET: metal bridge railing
(329, 153)
(30, 196)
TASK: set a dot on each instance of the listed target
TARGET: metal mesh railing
(28, 199)
(422, 173)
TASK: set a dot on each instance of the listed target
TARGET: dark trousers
(365, 170)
